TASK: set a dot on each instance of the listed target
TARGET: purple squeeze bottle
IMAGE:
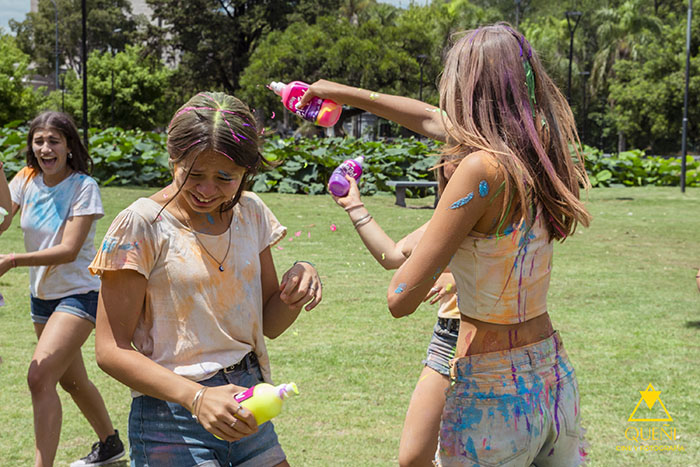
(338, 184)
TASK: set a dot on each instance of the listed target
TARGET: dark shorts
(82, 305)
(164, 433)
(442, 345)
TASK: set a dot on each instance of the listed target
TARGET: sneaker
(103, 453)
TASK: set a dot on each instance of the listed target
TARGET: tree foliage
(213, 39)
(36, 34)
(139, 94)
(19, 100)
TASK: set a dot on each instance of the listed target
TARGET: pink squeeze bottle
(338, 184)
(323, 112)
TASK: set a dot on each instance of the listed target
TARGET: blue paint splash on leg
(462, 202)
(483, 188)
(400, 288)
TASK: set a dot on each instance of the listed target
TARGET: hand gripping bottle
(323, 112)
(338, 184)
(265, 400)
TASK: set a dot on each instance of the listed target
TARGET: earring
(70, 155)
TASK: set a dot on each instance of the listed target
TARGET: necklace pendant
(221, 268)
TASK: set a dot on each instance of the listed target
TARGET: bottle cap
(276, 87)
(289, 389)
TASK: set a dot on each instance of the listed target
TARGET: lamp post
(63, 90)
(684, 147)
(111, 49)
(574, 16)
(55, 6)
(421, 61)
(83, 56)
(584, 106)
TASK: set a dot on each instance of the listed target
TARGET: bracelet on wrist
(350, 208)
(362, 221)
(13, 261)
(197, 401)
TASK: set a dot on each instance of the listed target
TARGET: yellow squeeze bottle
(265, 400)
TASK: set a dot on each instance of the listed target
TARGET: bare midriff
(477, 337)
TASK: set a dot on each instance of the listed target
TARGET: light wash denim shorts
(82, 305)
(442, 345)
(517, 407)
(165, 434)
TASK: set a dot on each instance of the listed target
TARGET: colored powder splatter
(210, 218)
(483, 188)
(373, 96)
(462, 202)
(279, 247)
(383, 256)
(333, 228)
(471, 449)
(400, 288)
(2, 300)
(308, 235)
(273, 115)
(296, 234)
(109, 244)
(448, 287)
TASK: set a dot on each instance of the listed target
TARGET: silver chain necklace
(228, 247)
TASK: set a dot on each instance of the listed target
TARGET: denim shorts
(513, 408)
(82, 305)
(442, 345)
(164, 433)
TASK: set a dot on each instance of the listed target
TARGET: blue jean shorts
(82, 305)
(442, 345)
(513, 408)
(164, 433)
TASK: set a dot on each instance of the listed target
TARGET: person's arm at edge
(6, 201)
(417, 116)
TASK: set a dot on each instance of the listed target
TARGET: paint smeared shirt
(504, 279)
(45, 210)
(196, 319)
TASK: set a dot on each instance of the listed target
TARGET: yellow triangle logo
(650, 396)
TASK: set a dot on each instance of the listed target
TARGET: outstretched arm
(413, 114)
(388, 253)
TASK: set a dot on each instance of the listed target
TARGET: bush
(135, 157)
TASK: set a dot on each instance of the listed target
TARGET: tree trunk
(621, 142)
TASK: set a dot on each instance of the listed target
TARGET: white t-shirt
(44, 212)
(196, 319)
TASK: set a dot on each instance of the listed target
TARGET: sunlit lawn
(623, 296)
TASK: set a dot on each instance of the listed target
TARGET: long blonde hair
(528, 128)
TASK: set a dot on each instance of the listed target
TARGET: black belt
(250, 360)
(452, 324)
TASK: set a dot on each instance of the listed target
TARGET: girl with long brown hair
(60, 205)
(514, 398)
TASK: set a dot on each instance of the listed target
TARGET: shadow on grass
(692, 324)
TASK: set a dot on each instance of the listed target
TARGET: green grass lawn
(623, 296)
